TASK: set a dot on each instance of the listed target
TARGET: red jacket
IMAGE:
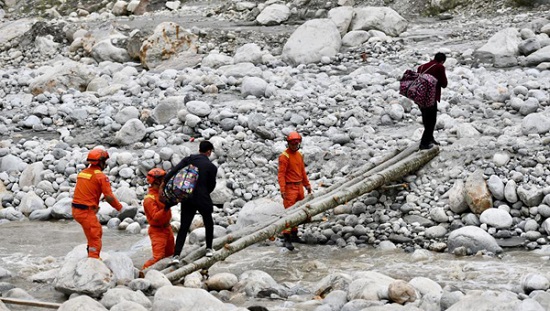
(154, 210)
(291, 169)
(438, 71)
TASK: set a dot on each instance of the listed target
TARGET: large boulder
(473, 238)
(384, 19)
(311, 41)
(31, 175)
(131, 132)
(273, 14)
(258, 211)
(477, 193)
(88, 276)
(167, 40)
(65, 74)
(503, 43)
(29, 203)
(12, 31)
(62, 209)
(341, 17)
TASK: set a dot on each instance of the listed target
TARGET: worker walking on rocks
(91, 183)
(292, 181)
(158, 215)
(200, 200)
(429, 114)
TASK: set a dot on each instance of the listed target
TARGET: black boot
(287, 242)
(295, 238)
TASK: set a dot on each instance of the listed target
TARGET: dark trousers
(187, 214)
(429, 118)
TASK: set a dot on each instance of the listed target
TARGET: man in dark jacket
(429, 115)
(200, 199)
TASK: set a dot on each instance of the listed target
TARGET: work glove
(309, 191)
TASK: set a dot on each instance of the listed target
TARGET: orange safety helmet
(294, 136)
(97, 155)
(155, 174)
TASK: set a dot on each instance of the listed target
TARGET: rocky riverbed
(243, 74)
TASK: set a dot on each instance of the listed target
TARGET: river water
(31, 247)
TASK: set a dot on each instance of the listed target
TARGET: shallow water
(26, 247)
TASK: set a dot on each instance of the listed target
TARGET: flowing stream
(31, 247)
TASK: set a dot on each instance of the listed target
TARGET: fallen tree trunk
(31, 303)
(363, 172)
(336, 197)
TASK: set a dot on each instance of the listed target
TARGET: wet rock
(253, 282)
(532, 282)
(5, 274)
(370, 285)
(222, 281)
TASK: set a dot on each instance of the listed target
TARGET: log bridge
(369, 177)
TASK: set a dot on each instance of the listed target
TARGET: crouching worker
(91, 183)
(158, 215)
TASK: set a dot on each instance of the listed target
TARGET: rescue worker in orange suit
(292, 180)
(158, 215)
(91, 183)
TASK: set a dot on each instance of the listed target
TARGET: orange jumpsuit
(90, 184)
(160, 232)
(292, 179)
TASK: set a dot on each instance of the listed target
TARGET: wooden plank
(31, 303)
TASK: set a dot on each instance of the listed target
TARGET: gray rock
(117, 295)
(82, 303)
(473, 238)
(384, 19)
(131, 132)
(497, 218)
(86, 276)
(306, 46)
